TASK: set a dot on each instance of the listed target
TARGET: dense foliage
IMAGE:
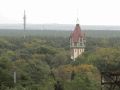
(40, 61)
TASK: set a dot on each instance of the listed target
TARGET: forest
(39, 61)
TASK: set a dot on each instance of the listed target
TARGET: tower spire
(24, 22)
(77, 20)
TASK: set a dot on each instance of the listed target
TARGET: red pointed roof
(76, 34)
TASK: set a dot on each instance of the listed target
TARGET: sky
(89, 12)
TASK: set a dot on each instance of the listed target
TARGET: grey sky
(90, 12)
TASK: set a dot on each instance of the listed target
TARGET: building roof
(76, 34)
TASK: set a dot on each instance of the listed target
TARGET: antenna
(77, 21)
(24, 23)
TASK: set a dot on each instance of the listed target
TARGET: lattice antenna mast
(24, 23)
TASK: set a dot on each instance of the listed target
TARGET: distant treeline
(59, 33)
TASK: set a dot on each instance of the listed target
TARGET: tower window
(75, 44)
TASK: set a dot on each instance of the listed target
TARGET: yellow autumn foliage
(66, 70)
(84, 68)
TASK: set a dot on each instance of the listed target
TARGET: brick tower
(77, 42)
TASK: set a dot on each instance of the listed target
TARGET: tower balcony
(78, 46)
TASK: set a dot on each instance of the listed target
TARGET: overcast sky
(90, 12)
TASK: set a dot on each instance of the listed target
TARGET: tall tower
(77, 42)
(24, 23)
